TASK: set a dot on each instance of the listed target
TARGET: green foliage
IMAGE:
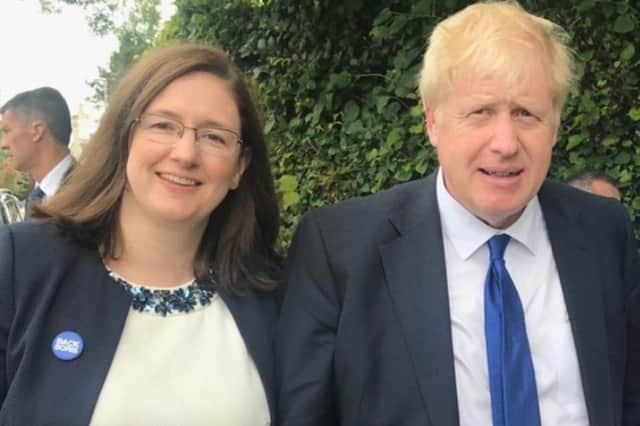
(100, 12)
(135, 36)
(16, 182)
(338, 84)
(135, 30)
(601, 123)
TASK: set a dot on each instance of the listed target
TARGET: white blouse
(181, 368)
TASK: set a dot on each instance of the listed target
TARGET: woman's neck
(154, 254)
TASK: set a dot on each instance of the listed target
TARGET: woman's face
(175, 176)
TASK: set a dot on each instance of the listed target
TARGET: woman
(142, 293)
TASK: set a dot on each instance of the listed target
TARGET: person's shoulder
(366, 220)
(32, 230)
(578, 199)
(594, 211)
(375, 206)
(40, 239)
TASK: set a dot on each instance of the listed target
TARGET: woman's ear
(243, 162)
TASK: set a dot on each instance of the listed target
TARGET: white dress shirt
(51, 182)
(529, 260)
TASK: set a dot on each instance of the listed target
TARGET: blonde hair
(495, 39)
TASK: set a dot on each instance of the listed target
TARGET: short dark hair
(585, 178)
(47, 104)
(238, 248)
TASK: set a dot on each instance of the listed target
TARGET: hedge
(337, 81)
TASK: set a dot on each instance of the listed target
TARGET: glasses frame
(138, 120)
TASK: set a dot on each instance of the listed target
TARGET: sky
(57, 50)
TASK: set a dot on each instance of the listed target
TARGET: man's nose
(505, 139)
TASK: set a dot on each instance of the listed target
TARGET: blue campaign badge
(67, 345)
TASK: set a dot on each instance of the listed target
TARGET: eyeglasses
(161, 129)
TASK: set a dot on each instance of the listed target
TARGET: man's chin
(501, 219)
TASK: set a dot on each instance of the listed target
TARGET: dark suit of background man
(396, 315)
(36, 126)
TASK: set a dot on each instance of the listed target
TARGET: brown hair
(238, 246)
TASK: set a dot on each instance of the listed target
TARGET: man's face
(494, 143)
(18, 139)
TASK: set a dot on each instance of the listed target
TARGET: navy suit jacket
(48, 285)
(364, 336)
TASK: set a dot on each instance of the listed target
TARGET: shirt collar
(51, 182)
(467, 233)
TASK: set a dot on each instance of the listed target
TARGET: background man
(484, 293)
(36, 126)
(596, 183)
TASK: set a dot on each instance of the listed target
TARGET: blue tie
(36, 195)
(512, 382)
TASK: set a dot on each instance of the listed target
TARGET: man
(596, 183)
(36, 126)
(405, 308)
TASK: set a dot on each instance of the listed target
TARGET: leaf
(351, 111)
(287, 183)
(574, 140)
(421, 167)
(423, 7)
(415, 111)
(354, 127)
(371, 155)
(402, 175)
(624, 177)
(290, 199)
(622, 158)
(381, 102)
(394, 136)
(339, 80)
(624, 24)
(634, 113)
(451, 4)
(628, 52)
(268, 124)
(586, 5)
(609, 140)
(416, 129)
(623, 7)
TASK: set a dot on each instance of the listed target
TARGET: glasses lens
(217, 140)
(160, 129)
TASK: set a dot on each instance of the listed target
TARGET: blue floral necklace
(184, 299)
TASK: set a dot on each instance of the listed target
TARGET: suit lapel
(415, 271)
(581, 285)
(93, 305)
(255, 316)
(414, 267)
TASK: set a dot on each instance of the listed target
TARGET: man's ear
(430, 126)
(38, 129)
(555, 130)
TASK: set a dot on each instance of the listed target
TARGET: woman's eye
(213, 138)
(163, 125)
